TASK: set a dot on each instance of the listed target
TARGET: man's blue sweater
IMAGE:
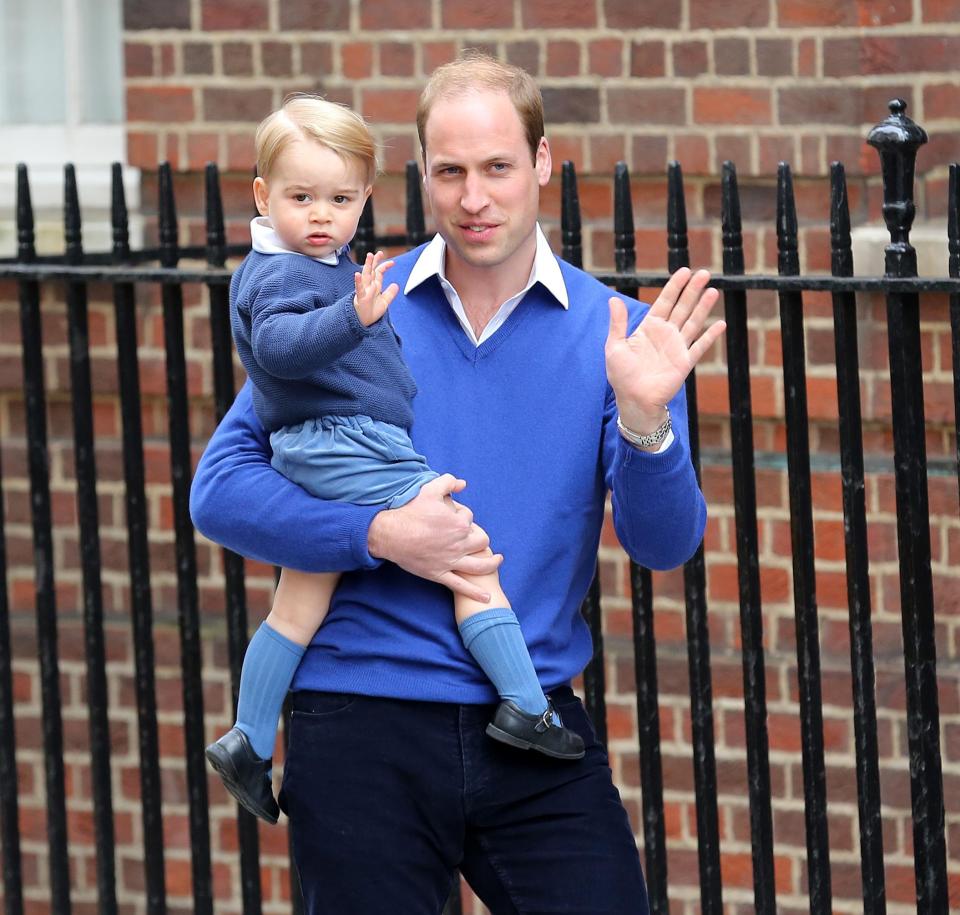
(306, 351)
(529, 420)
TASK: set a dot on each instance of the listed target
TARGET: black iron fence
(896, 139)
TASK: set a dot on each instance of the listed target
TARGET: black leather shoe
(245, 774)
(512, 725)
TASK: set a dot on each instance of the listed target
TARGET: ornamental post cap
(897, 130)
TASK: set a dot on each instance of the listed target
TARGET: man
(530, 389)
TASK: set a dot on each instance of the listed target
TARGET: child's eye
(341, 198)
(301, 198)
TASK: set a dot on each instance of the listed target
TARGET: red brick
(316, 58)
(648, 58)
(377, 15)
(396, 58)
(201, 149)
(606, 57)
(476, 14)
(142, 149)
(237, 104)
(731, 56)
(356, 59)
(567, 148)
(689, 58)
(166, 55)
(646, 106)
(314, 15)
(774, 57)
(241, 154)
(137, 59)
(563, 58)
(237, 58)
(649, 154)
(725, 106)
(819, 105)
(573, 105)
(172, 14)
(162, 104)
(524, 54)
(941, 11)
(436, 53)
(708, 14)
(390, 106)
(198, 58)
(807, 57)
(804, 13)
(234, 14)
(562, 14)
(277, 58)
(605, 152)
(629, 14)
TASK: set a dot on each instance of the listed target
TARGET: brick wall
(755, 81)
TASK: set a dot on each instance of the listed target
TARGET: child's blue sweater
(529, 420)
(306, 351)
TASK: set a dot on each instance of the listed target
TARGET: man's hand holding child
(371, 301)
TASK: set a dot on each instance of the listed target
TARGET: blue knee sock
(494, 639)
(268, 668)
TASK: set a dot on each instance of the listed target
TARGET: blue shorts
(351, 459)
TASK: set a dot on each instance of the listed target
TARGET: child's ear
(261, 196)
(367, 191)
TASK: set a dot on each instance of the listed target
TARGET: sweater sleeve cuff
(358, 534)
(633, 460)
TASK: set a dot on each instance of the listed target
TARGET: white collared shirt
(545, 271)
(264, 239)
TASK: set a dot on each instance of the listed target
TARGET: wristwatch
(646, 441)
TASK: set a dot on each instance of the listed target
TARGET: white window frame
(46, 148)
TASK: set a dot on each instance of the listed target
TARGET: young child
(330, 385)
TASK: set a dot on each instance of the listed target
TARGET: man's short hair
(476, 72)
(335, 126)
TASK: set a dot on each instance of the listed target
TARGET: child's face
(313, 198)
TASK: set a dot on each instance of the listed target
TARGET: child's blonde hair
(335, 126)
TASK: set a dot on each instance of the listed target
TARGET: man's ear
(261, 194)
(543, 162)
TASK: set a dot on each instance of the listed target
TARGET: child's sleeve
(291, 337)
(239, 501)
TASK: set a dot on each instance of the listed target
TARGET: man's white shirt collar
(545, 271)
(265, 240)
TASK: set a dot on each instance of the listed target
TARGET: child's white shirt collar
(265, 240)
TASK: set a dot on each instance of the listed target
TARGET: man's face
(482, 183)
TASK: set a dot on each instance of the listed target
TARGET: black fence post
(187, 597)
(88, 514)
(644, 641)
(695, 601)
(855, 545)
(233, 572)
(803, 550)
(138, 557)
(748, 565)
(9, 806)
(897, 139)
(416, 227)
(953, 240)
(364, 242)
(38, 459)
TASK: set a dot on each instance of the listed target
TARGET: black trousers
(386, 798)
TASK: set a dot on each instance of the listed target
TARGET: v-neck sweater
(528, 419)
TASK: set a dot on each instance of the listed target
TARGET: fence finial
(897, 139)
